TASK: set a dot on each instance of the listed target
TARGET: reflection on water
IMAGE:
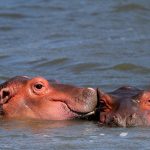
(131, 7)
(69, 135)
(90, 43)
(37, 125)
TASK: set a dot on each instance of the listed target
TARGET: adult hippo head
(24, 97)
(126, 106)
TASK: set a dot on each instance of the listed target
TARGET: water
(88, 43)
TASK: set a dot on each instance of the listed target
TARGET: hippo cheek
(48, 110)
(17, 110)
(54, 110)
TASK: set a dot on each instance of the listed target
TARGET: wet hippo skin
(24, 97)
(126, 106)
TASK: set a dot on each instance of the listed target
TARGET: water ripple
(54, 62)
(12, 15)
(6, 28)
(48, 7)
(131, 68)
(130, 7)
(3, 56)
(84, 67)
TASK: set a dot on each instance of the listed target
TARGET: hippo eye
(148, 100)
(38, 86)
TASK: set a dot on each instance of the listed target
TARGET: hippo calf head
(24, 97)
(126, 106)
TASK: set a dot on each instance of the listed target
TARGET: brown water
(84, 42)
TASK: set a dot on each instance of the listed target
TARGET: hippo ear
(105, 101)
(5, 95)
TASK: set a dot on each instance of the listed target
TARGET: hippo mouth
(91, 115)
(81, 114)
(130, 120)
(111, 119)
(72, 113)
(88, 107)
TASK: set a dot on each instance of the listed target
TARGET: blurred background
(97, 43)
(84, 42)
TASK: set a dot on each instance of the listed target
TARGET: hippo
(23, 97)
(125, 107)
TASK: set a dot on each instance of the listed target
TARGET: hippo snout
(89, 97)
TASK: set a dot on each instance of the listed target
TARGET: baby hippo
(125, 107)
(38, 98)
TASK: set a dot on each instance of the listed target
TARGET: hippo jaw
(118, 120)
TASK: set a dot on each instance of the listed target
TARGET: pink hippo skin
(126, 106)
(23, 97)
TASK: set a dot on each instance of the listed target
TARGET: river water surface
(93, 43)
